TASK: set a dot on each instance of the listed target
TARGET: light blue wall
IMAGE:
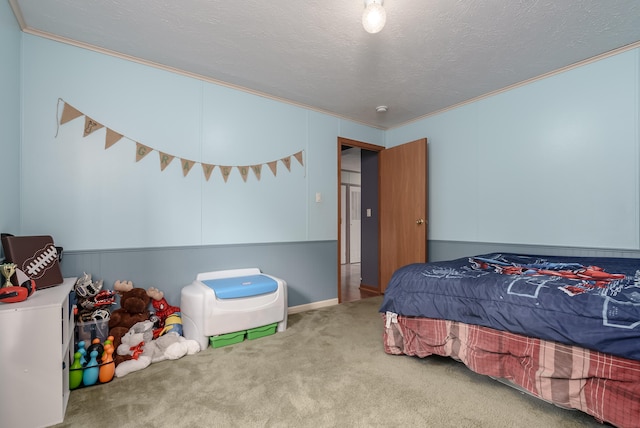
(9, 120)
(554, 162)
(138, 205)
(550, 164)
(121, 219)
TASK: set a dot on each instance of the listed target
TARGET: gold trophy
(8, 269)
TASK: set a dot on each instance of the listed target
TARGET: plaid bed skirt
(601, 385)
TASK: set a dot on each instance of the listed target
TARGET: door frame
(367, 146)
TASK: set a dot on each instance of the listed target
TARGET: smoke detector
(382, 109)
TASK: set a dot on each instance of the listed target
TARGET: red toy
(13, 294)
(163, 310)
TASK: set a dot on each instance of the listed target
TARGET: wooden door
(403, 207)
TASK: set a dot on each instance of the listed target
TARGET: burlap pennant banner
(165, 160)
(273, 166)
(142, 151)
(244, 172)
(111, 138)
(91, 125)
(68, 114)
(207, 169)
(287, 162)
(225, 171)
(257, 170)
(186, 166)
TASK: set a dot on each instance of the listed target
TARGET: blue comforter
(589, 302)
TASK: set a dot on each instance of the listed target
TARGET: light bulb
(374, 17)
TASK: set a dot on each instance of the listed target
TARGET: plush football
(42, 260)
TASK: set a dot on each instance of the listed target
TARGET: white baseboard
(314, 305)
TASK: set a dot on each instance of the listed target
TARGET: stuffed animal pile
(166, 318)
(143, 349)
(93, 302)
(141, 336)
(134, 307)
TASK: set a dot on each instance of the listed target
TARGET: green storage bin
(227, 339)
(265, 330)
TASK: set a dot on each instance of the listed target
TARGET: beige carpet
(327, 370)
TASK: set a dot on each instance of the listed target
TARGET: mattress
(593, 303)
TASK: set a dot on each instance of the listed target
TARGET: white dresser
(34, 358)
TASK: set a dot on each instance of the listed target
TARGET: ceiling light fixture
(374, 16)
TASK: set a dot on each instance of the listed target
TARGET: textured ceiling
(431, 55)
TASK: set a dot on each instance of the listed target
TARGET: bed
(564, 329)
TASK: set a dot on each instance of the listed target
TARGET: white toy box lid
(241, 286)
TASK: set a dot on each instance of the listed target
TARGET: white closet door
(343, 224)
(354, 224)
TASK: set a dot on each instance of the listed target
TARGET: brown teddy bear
(134, 307)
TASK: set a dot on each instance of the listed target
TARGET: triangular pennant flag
(256, 170)
(186, 166)
(287, 162)
(111, 138)
(142, 151)
(90, 125)
(207, 169)
(225, 171)
(274, 167)
(244, 171)
(165, 160)
(298, 156)
(68, 114)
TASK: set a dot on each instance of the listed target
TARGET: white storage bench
(227, 301)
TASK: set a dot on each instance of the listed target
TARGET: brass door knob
(420, 221)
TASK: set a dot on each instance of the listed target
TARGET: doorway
(394, 195)
(358, 220)
(350, 224)
(350, 197)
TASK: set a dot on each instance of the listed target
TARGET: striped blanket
(590, 302)
(601, 385)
